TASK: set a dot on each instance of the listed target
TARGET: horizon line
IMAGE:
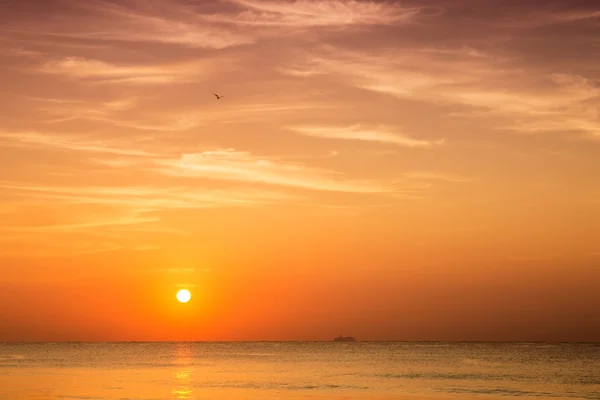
(297, 341)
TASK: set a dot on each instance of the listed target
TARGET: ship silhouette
(344, 339)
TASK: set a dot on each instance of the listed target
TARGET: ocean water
(298, 370)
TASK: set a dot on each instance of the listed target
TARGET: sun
(184, 296)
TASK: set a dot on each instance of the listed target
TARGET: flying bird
(217, 96)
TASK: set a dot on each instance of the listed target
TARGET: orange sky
(414, 170)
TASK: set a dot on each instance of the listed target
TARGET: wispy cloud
(436, 176)
(86, 218)
(126, 141)
(232, 165)
(114, 112)
(357, 132)
(123, 104)
(20, 52)
(529, 99)
(146, 247)
(64, 142)
(160, 22)
(175, 270)
(228, 24)
(46, 248)
(534, 17)
(411, 73)
(143, 199)
(51, 100)
(132, 21)
(90, 224)
(572, 15)
(321, 13)
(103, 72)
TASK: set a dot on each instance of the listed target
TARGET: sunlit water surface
(136, 371)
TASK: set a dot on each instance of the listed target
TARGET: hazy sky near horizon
(400, 170)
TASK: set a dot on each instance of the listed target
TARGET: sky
(391, 170)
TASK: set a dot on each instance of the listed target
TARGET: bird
(217, 96)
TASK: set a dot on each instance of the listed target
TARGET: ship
(344, 339)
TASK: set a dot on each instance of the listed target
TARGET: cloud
(181, 270)
(58, 111)
(176, 124)
(218, 26)
(321, 13)
(408, 73)
(156, 21)
(45, 248)
(572, 16)
(528, 99)
(356, 132)
(217, 165)
(166, 119)
(123, 104)
(80, 219)
(44, 43)
(132, 21)
(547, 16)
(436, 176)
(90, 224)
(232, 165)
(51, 100)
(64, 142)
(146, 247)
(143, 199)
(176, 270)
(20, 52)
(103, 72)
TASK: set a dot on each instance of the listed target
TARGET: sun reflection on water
(183, 375)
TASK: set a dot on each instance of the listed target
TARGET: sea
(298, 370)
